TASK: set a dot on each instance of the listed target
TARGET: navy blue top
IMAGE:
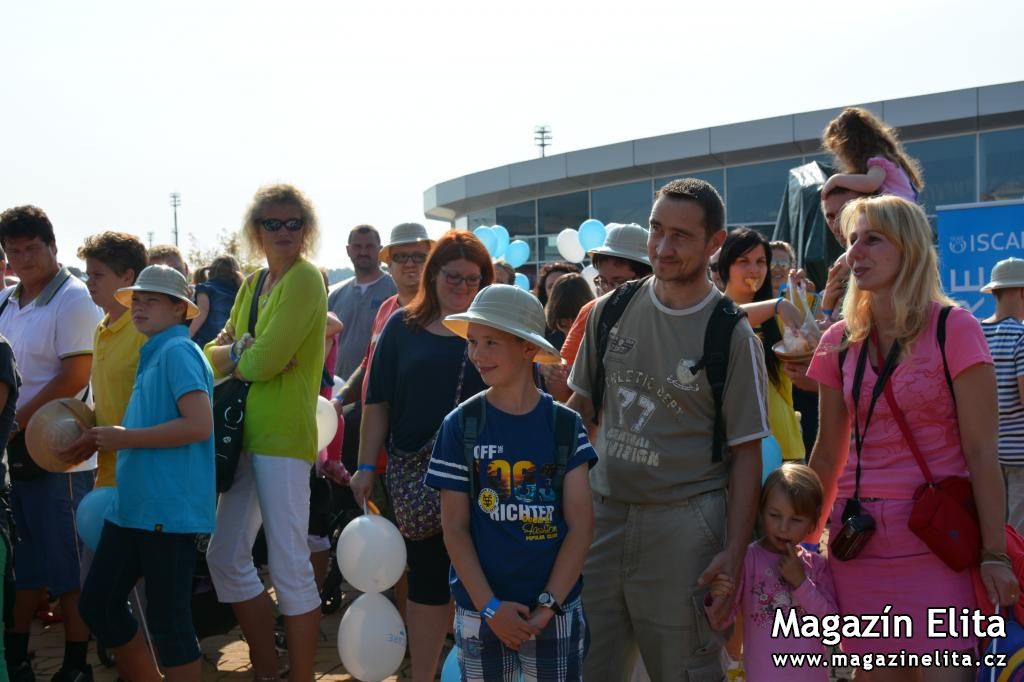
(516, 521)
(416, 374)
(221, 293)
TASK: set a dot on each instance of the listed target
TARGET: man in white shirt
(49, 320)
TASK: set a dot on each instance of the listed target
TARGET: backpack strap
(611, 313)
(717, 339)
(472, 418)
(566, 437)
(940, 336)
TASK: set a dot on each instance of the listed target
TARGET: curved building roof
(924, 116)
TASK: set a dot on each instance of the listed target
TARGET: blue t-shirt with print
(171, 490)
(516, 525)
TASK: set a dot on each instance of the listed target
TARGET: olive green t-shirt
(657, 422)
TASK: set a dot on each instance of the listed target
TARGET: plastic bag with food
(802, 339)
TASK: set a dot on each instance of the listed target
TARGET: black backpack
(473, 418)
(717, 339)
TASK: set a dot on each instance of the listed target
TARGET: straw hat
(53, 428)
(511, 310)
(1007, 274)
(624, 241)
(159, 279)
(406, 233)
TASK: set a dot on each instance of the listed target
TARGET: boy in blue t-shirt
(165, 488)
(517, 547)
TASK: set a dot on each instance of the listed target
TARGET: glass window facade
(755, 191)
(629, 203)
(518, 219)
(716, 177)
(949, 165)
(554, 214)
(1002, 165)
(955, 169)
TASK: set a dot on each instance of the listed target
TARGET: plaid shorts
(556, 655)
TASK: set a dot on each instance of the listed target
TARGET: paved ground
(225, 658)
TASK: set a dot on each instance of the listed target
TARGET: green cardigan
(280, 412)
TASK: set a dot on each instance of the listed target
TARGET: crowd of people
(579, 473)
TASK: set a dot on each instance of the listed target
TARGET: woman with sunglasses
(419, 372)
(284, 361)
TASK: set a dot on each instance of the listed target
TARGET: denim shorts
(48, 553)
(167, 562)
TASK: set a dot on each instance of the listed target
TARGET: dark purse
(417, 506)
(229, 411)
(19, 462)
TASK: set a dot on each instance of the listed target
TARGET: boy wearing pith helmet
(165, 488)
(515, 501)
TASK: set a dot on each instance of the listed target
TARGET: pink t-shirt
(888, 468)
(896, 179)
(762, 592)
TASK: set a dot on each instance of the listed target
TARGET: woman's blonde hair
(269, 195)
(917, 282)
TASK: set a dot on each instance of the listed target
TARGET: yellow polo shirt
(115, 358)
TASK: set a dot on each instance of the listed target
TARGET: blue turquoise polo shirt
(169, 490)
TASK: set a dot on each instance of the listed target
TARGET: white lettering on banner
(966, 286)
(996, 241)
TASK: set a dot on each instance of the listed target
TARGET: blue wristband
(778, 302)
(231, 354)
(491, 608)
(826, 312)
(367, 467)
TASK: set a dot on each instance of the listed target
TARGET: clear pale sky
(107, 107)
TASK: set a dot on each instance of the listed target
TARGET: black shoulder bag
(229, 410)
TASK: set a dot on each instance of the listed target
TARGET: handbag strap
(901, 420)
(462, 375)
(254, 305)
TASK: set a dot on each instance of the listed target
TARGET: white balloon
(371, 553)
(588, 275)
(326, 422)
(569, 246)
(371, 639)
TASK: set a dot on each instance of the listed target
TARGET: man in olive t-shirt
(664, 526)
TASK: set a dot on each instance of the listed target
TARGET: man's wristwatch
(547, 600)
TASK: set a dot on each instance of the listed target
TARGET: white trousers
(273, 491)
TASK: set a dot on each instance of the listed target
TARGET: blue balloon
(93, 510)
(451, 672)
(592, 234)
(517, 253)
(503, 240)
(771, 457)
(522, 281)
(487, 238)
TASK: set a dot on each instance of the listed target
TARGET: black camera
(858, 527)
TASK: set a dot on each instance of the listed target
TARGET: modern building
(969, 142)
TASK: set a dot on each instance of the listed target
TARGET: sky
(107, 107)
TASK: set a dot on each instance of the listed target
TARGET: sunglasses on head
(273, 224)
(401, 258)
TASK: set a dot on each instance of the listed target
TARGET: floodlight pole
(175, 203)
(542, 138)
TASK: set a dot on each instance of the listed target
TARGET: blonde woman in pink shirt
(889, 333)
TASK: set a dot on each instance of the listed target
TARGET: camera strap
(884, 372)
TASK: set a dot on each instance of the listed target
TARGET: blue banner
(972, 239)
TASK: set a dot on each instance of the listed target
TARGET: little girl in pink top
(779, 575)
(870, 156)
